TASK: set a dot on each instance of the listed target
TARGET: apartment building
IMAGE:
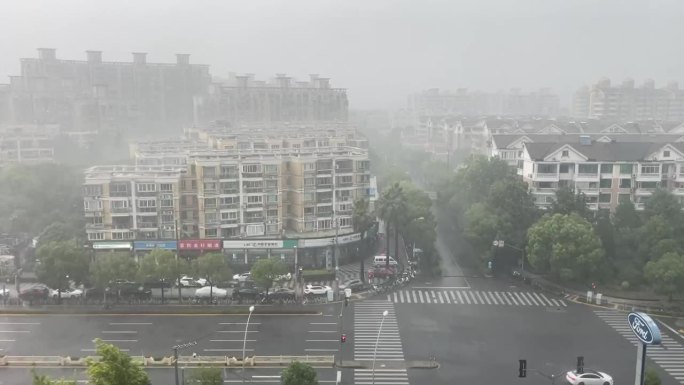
(95, 95)
(626, 102)
(282, 99)
(27, 144)
(132, 202)
(606, 172)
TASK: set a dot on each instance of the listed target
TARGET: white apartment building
(606, 172)
(131, 202)
(27, 143)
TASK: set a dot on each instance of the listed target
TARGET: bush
(566, 274)
(318, 275)
(651, 377)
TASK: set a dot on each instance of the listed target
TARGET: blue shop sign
(644, 328)
(151, 245)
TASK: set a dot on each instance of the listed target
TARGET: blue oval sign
(644, 328)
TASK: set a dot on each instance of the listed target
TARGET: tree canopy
(298, 373)
(115, 367)
(59, 259)
(111, 266)
(266, 271)
(666, 274)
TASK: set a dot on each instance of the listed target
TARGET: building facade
(29, 144)
(625, 102)
(606, 172)
(95, 95)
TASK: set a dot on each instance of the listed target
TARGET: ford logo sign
(644, 328)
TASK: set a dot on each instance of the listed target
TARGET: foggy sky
(381, 50)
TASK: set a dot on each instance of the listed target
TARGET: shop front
(246, 252)
(105, 247)
(191, 248)
(143, 247)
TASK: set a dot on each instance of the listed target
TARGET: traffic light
(343, 338)
(522, 371)
(580, 365)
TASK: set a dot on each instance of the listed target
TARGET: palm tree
(391, 207)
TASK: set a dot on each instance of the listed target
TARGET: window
(606, 168)
(345, 222)
(275, 147)
(604, 198)
(209, 172)
(606, 183)
(166, 187)
(167, 218)
(228, 200)
(118, 188)
(324, 224)
(545, 185)
(210, 186)
(626, 168)
(229, 188)
(166, 203)
(666, 154)
(143, 203)
(347, 179)
(210, 233)
(308, 197)
(308, 211)
(92, 190)
(625, 183)
(229, 171)
(650, 169)
(146, 187)
(565, 154)
(210, 217)
(546, 168)
(623, 198)
(648, 185)
(95, 236)
(270, 169)
(252, 185)
(255, 229)
(254, 199)
(309, 166)
(251, 168)
(272, 213)
(587, 169)
(272, 184)
(121, 235)
(229, 216)
(309, 181)
(309, 225)
(209, 202)
(118, 204)
(566, 168)
(272, 199)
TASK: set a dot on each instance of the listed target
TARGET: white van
(381, 260)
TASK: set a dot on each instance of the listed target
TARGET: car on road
(242, 276)
(34, 292)
(246, 292)
(381, 272)
(207, 291)
(284, 277)
(126, 289)
(353, 284)
(317, 290)
(4, 293)
(66, 294)
(589, 377)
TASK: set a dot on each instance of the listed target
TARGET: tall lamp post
(375, 352)
(175, 356)
(244, 342)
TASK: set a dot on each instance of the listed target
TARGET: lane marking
(321, 340)
(320, 350)
(440, 287)
(19, 323)
(239, 323)
(322, 323)
(119, 331)
(130, 323)
(15, 331)
(237, 331)
(7, 340)
(231, 340)
(319, 331)
(120, 340)
(93, 350)
(227, 350)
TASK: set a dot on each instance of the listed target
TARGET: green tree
(163, 264)
(482, 226)
(298, 373)
(651, 377)
(565, 246)
(666, 274)
(214, 267)
(205, 376)
(115, 367)
(656, 229)
(626, 216)
(266, 271)
(112, 266)
(568, 202)
(362, 220)
(475, 178)
(60, 231)
(511, 202)
(391, 207)
(60, 262)
(662, 202)
(606, 232)
(38, 379)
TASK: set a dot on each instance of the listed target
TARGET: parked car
(66, 294)
(381, 272)
(187, 281)
(242, 277)
(127, 289)
(282, 294)
(207, 291)
(4, 293)
(284, 277)
(246, 292)
(589, 377)
(353, 284)
(317, 290)
(34, 292)
(157, 284)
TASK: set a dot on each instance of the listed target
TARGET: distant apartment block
(96, 95)
(28, 144)
(606, 172)
(436, 102)
(625, 102)
(282, 99)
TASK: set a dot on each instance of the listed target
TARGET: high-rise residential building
(132, 202)
(27, 143)
(96, 95)
(626, 102)
(283, 99)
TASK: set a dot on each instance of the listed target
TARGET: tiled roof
(599, 151)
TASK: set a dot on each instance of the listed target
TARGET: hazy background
(381, 50)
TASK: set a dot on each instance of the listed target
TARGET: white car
(589, 377)
(187, 281)
(317, 290)
(203, 292)
(242, 277)
(284, 277)
(202, 281)
(75, 293)
(4, 293)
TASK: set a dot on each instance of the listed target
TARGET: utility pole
(175, 356)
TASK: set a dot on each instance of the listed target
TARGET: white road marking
(120, 332)
(130, 323)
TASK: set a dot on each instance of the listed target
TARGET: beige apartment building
(131, 202)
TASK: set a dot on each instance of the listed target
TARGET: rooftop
(600, 151)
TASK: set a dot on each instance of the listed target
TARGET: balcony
(229, 176)
(645, 191)
(94, 226)
(587, 176)
(121, 210)
(252, 190)
(229, 221)
(120, 194)
(324, 214)
(229, 206)
(345, 184)
(542, 176)
(648, 177)
(320, 200)
(259, 219)
(148, 225)
(344, 170)
(230, 192)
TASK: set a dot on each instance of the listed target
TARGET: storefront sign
(349, 238)
(254, 244)
(151, 245)
(320, 242)
(111, 245)
(199, 244)
(644, 328)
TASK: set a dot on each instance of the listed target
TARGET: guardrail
(268, 361)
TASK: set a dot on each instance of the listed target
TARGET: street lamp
(375, 352)
(244, 342)
(175, 356)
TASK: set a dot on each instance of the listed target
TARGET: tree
(662, 202)
(362, 221)
(205, 376)
(59, 231)
(626, 217)
(38, 379)
(161, 265)
(482, 225)
(511, 202)
(112, 266)
(606, 233)
(213, 267)
(61, 262)
(391, 206)
(565, 246)
(266, 271)
(666, 274)
(298, 373)
(656, 229)
(568, 202)
(114, 367)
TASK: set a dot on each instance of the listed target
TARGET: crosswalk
(383, 346)
(474, 297)
(669, 355)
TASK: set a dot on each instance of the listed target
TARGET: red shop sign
(199, 244)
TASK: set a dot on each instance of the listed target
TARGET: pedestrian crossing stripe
(669, 355)
(474, 297)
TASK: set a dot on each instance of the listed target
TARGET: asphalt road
(166, 376)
